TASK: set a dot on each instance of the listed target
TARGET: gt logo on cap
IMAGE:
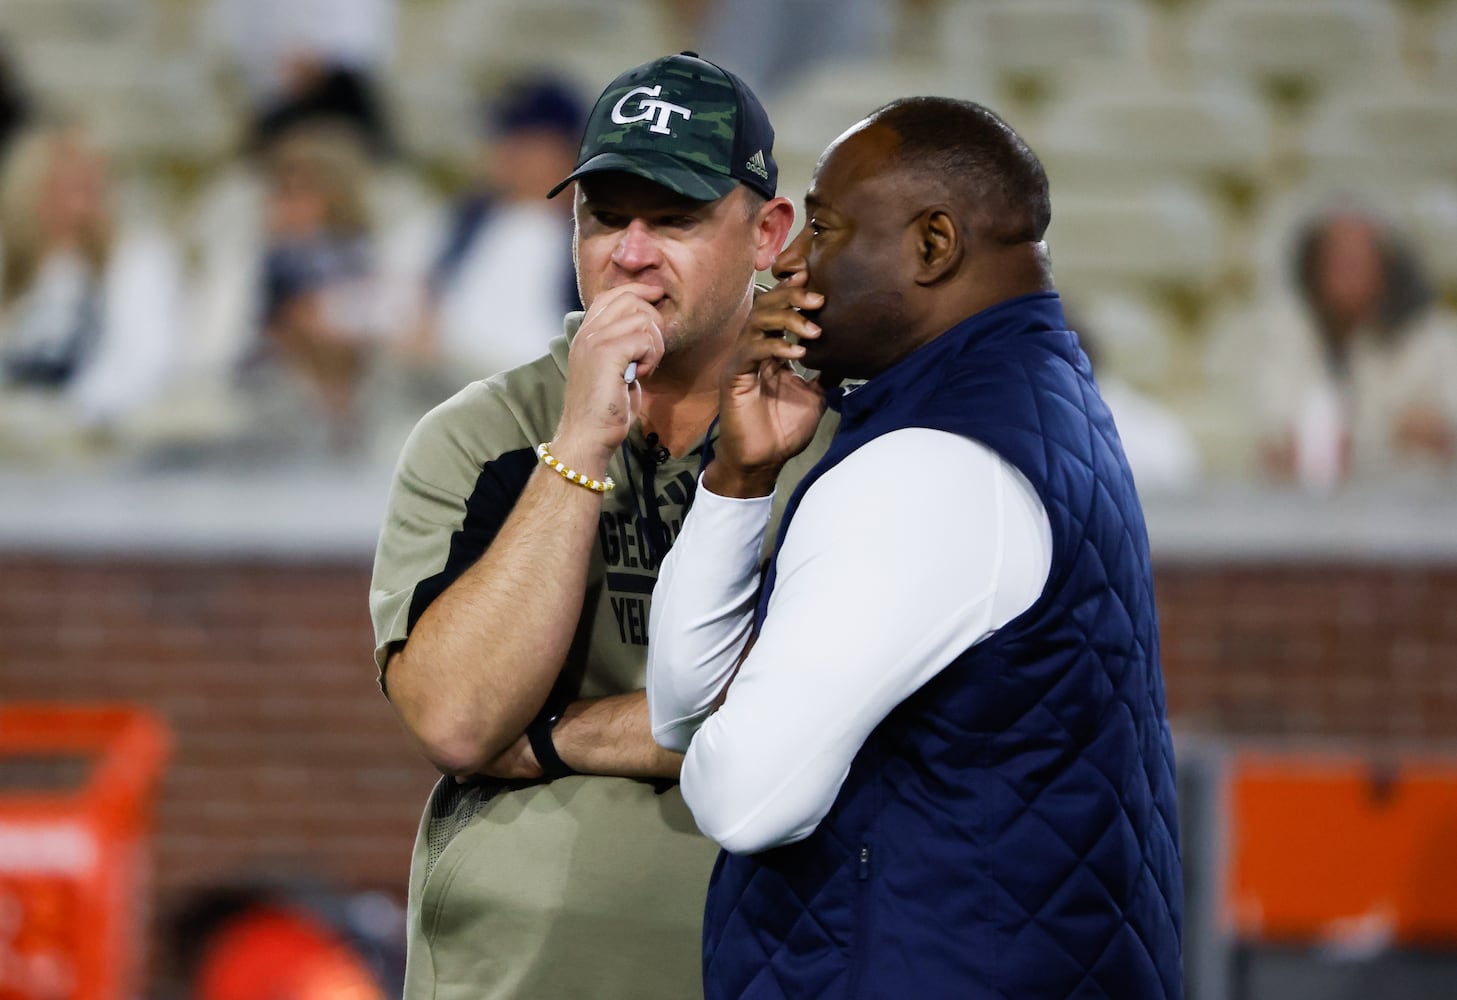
(663, 110)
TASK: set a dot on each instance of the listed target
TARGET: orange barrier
(73, 861)
(1337, 849)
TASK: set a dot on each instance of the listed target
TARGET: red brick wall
(1326, 651)
(288, 760)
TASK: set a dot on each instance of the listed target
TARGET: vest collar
(1039, 310)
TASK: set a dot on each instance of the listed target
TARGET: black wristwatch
(538, 734)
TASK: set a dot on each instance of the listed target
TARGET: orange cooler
(74, 868)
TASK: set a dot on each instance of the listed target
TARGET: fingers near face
(622, 326)
(781, 312)
(849, 253)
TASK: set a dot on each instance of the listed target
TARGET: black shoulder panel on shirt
(496, 491)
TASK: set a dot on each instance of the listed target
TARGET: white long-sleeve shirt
(913, 548)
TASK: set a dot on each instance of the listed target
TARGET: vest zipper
(860, 938)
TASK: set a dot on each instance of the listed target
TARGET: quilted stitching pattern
(1023, 819)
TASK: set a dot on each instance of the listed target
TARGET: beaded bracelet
(543, 452)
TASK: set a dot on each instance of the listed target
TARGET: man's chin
(675, 334)
(814, 356)
(668, 320)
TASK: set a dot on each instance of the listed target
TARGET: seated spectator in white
(501, 276)
(89, 304)
(228, 228)
(326, 305)
(1160, 449)
(1359, 376)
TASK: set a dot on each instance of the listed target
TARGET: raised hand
(620, 328)
(767, 412)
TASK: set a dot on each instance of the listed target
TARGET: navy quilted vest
(1009, 830)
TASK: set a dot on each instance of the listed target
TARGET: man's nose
(791, 259)
(637, 247)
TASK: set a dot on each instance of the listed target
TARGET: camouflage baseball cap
(684, 123)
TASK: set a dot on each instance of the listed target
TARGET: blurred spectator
(228, 232)
(1160, 449)
(1361, 377)
(770, 43)
(276, 42)
(302, 253)
(501, 275)
(323, 306)
(14, 102)
(89, 306)
(316, 92)
(311, 67)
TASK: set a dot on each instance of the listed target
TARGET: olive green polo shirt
(588, 886)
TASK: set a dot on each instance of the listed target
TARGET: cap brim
(690, 180)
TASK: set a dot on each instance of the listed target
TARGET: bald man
(931, 737)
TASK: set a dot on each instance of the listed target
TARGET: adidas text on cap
(684, 123)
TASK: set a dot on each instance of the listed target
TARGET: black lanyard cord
(650, 522)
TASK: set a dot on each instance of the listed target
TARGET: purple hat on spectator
(541, 102)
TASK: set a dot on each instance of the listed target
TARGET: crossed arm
(481, 660)
(914, 548)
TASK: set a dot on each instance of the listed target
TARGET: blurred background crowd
(234, 229)
(245, 244)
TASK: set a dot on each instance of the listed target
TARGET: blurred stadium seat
(835, 95)
(1434, 225)
(1444, 50)
(503, 36)
(1297, 48)
(1166, 237)
(1034, 50)
(1130, 335)
(1123, 142)
(1378, 135)
(1045, 37)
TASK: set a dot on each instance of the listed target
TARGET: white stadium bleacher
(1127, 140)
(1045, 36)
(1185, 139)
(1318, 44)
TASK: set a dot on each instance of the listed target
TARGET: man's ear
(773, 223)
(939, 246)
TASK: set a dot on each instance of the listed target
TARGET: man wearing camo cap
(526, 523)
